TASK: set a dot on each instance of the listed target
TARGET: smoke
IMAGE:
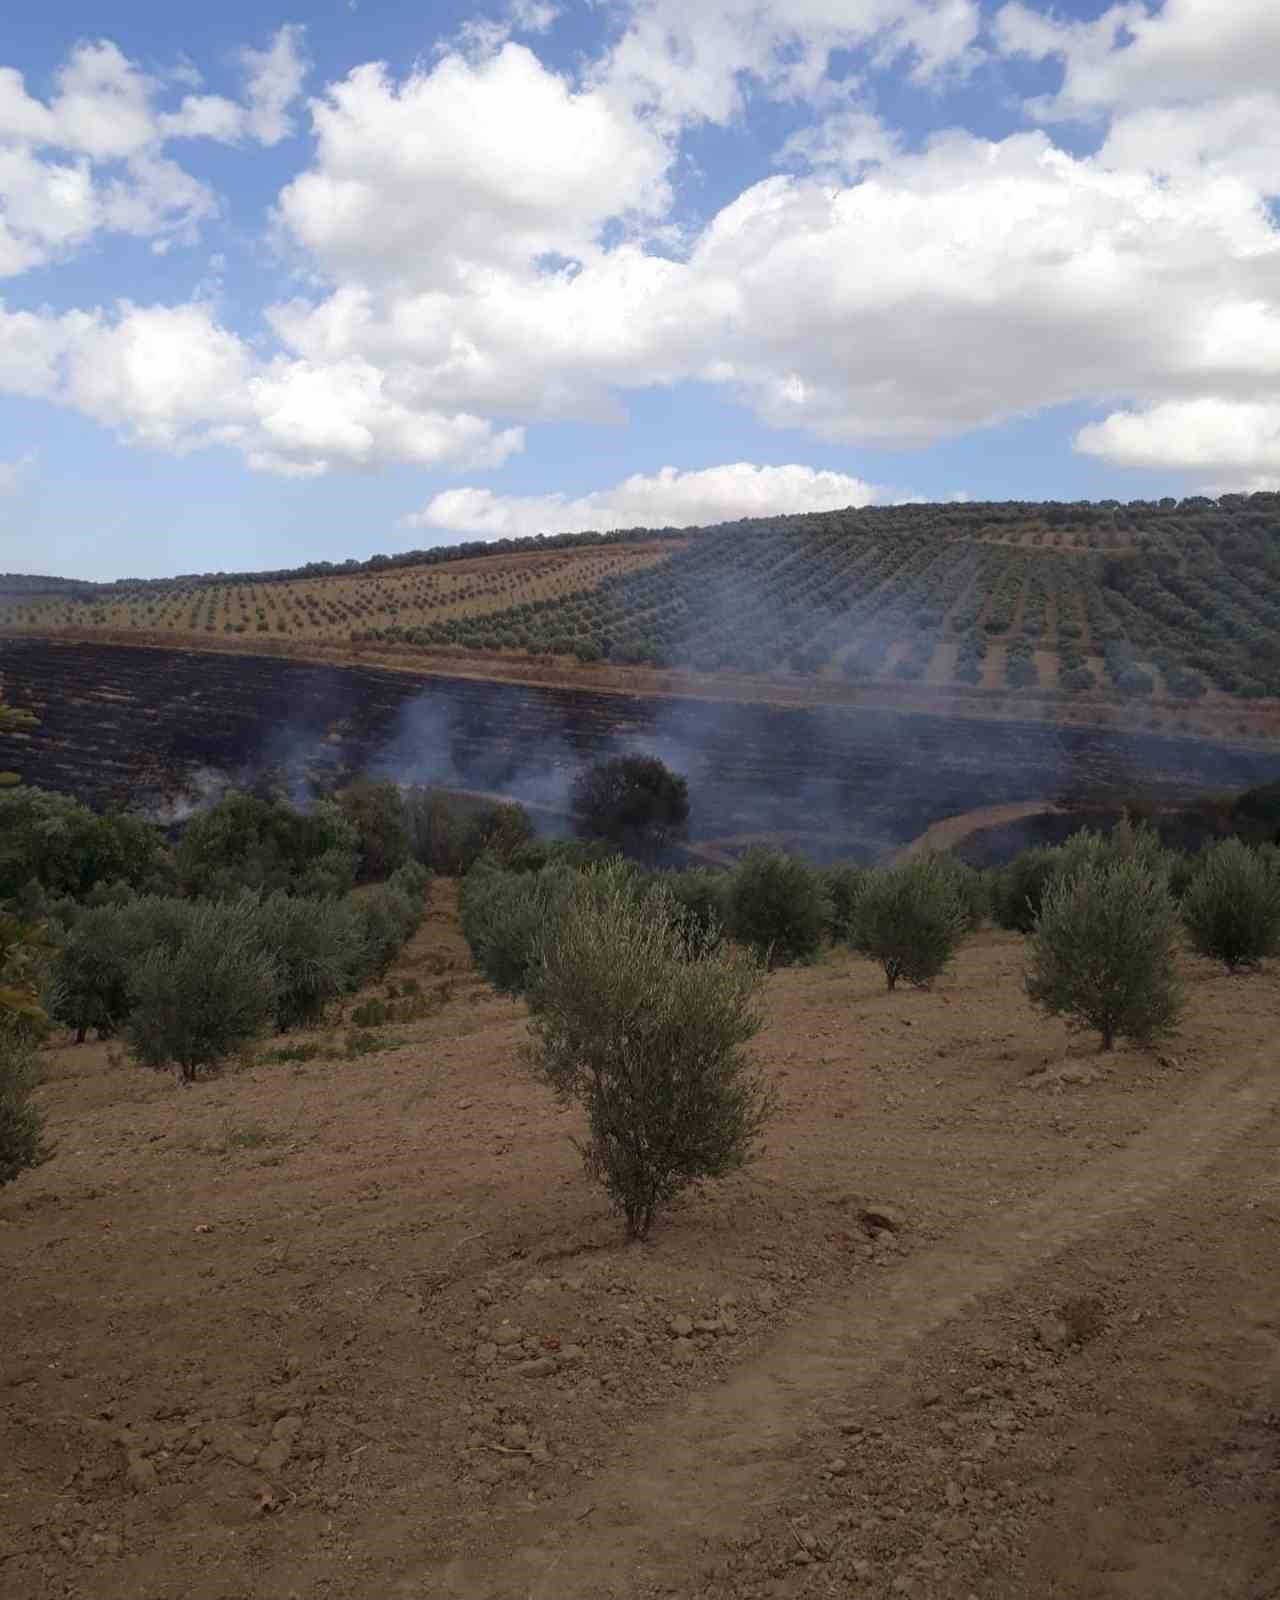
(198, 790)
(850, 781)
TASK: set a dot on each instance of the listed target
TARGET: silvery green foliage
(1104, 950)
(644, 1022)
(779, 907)
(1232, 905)
(198, 1000)
(911, 919)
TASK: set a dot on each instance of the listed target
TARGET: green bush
(700, 896)
(376, 811)
(1103, 951)
(22, 1143)
(385, 919)
(1231, 908)
(199, 1001)
(246, 842)
(910, 919)
(635, 802)
(315, 946)
(778, 907)
(972, 889)
(412, 880)
(90, 980)
(504, 915)
(1019, 889)
(843, 887)
(650, 1043)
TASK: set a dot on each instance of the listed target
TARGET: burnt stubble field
(147, 727)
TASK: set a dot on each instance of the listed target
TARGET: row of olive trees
(187, 982)
(644, 990)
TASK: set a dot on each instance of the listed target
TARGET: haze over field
(282, 288)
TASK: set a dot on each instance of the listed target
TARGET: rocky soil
(992, 1317)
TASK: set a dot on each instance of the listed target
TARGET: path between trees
(695, 1475)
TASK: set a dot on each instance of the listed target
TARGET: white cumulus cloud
(92, 159)
(667, 498)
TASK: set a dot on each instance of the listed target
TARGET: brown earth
(993, 1316)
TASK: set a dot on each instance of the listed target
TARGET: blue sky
(357, 276)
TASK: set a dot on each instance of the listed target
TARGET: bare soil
(993, 1316)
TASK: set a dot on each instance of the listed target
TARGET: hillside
(1050, 609)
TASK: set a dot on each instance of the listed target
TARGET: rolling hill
(1167, 609)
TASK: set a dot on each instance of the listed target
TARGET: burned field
(146, 727)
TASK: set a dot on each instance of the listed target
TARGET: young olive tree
(647, 1030)
(1231, 907)
(199, 999)
(911, 918)
(778, 906)
(1104, 949)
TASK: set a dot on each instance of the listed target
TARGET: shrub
(650, 1043)
(1103, 951)
(910, 919)
(636, 802)
(1020, 888)
(385, 918)
(22, 1143)
(700, 898)
(413, 881)
(316, 948)
(778, 907)
(90, 985)
(843, 886)
(377, 813)
(1232, 906)
(197, 1002)
(972, 889)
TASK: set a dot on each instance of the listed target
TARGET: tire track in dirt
(695, 1475)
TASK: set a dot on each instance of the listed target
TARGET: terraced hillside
(148, 728)
(1064, 608)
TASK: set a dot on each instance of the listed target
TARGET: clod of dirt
(272, 1459)
(234, 1446)
(1085, 1317)
(486, 1354)
(882, 1219)
(680, 1327)
(507, 1335)
(683, 1352)
(140, 1472)
(539, 1367)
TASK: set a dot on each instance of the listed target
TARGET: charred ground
(146, 728)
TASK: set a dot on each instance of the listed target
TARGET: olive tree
(1232, 906)
(635, 802)
(647, 1031)
(199, 999)
(911, 919)
(1103, 951)
(779, 907)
